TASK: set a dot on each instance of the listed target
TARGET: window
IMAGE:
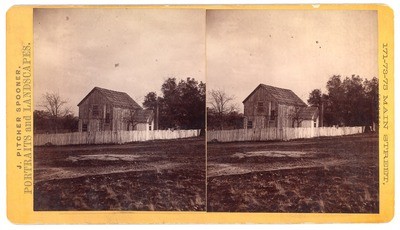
(260, 107)
(84, 127)
(95, 111)
(107, 117)
(249, 124)
(150, 127)
(315, 124)
(273, 115)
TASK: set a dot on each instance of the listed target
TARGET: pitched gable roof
(143, 115)
(308, 113)
(283, 96)
(118, 99)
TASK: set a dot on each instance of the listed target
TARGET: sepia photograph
(119, 109)
(292, 111)
(200, 114)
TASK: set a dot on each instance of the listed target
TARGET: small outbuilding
(108, 110)
(269, 106)
(308, 117)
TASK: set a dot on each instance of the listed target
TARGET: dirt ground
(154, 175)
(330, 175)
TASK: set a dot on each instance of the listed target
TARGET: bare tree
(296, 118)
(131, 119)
(221, 104)
(55, 106)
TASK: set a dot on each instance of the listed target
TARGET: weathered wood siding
(108, 118)
(251, 107)
(285, 116)
(119, 121)
(95, 122)
(260, 115)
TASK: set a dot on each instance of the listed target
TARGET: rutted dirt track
(157, 175)
(336, 175)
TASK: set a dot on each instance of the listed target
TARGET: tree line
(351, 101)
(181, 106)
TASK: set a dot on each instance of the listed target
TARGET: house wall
(119, 119)
(119, 122)
(142, 127)
(107, 117)
(285, 116)
(95, 121)
(145, 126)
(307, 124)
(310, 123)
(152, 125)
(251, 107)
(258, 109)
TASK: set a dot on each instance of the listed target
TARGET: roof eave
(91, 91)
(259, 86)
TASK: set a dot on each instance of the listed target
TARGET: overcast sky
(129, 50)
(135, 50)
(297, 50)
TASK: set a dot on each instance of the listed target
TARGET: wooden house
(308, 117)
(269, 106)
(109, 110)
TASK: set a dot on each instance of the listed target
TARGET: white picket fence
(278, 134)
(109, 137)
